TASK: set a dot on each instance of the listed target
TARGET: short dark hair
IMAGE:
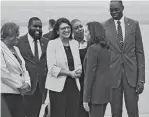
(8, 29)
(52, 22)
(57, 25)
(120, 1)
(31, 20)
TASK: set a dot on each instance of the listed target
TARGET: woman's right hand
(75, 73)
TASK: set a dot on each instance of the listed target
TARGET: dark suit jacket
(132, 56)
(49, 35)
(97, 81)
(37, 68)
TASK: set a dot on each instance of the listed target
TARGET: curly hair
(8, 29)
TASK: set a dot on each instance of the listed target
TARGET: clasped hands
(25, 88)
(76, 73)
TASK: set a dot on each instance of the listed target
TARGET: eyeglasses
(114, 9)
(64, 28)
(77, 27)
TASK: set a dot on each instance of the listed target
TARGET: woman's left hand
(78, 73)
(86, 106)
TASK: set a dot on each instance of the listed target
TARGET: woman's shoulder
(53, 42)
(95, 46)
(75, 42)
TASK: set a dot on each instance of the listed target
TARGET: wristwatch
(142, 81)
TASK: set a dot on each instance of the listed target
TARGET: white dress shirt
(31, 43)
(122, 25)
(83, 44)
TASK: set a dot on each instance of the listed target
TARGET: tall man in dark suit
(49, 35)
(127, 60)
(33, 49)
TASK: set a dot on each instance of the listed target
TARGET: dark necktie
(36, 50)
(120, 34)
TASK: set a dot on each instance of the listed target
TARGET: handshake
(76, 73)
(24, 89)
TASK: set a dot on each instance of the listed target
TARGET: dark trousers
(131, 99)
(65, 103)
(32, 103)
(14, 103)
(97, 110)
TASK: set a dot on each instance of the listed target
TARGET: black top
(69, 58)
(82, 54)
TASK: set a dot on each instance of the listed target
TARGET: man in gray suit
(127, 60)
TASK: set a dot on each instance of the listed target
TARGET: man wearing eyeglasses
(127, 60)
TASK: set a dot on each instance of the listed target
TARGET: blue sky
(21, 11)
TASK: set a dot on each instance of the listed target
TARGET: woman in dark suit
(97, 81)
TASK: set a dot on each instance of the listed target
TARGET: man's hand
(86, 106)
(140, 88)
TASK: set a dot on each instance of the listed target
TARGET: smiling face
(64, 31)
(35, 29)
(116, 10)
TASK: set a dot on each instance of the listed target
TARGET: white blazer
(13, 75)
(57, 60)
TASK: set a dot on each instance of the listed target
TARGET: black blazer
(97, 81)
(37, 68)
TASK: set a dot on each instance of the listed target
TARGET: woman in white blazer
(15, 80)
(64, 70)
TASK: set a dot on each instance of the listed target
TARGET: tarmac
(143, 103)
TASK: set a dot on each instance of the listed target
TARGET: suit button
(20, 74)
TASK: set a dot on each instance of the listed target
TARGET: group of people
(81, 73)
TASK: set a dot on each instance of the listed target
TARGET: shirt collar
(121, 20)
(85, 39)
(30, 38)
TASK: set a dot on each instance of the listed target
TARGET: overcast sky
(21, 11)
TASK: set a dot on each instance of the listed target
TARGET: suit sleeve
(12, 80)
(140, 55)
(53, 70)
(90, 63)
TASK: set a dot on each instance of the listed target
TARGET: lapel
(9, 53)
(42, 48)
(128, 28)
(61, 46)
(113, 34)
(27, 50)
(73, 50)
